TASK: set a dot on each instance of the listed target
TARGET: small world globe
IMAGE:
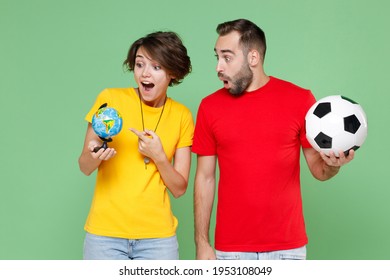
(107, 122)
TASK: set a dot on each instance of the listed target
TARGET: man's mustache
(222, 76)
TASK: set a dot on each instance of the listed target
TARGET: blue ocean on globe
(107, 122)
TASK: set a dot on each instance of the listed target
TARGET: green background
(56, 56)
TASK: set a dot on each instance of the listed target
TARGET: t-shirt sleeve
(310, 100)
(204, 141)
(187, 130)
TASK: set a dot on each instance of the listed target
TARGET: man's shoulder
(287, 84)
(216, 95)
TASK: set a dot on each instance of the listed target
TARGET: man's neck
(259, 81)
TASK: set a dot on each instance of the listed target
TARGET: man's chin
(235, 92)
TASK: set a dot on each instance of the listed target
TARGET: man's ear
(253, 57)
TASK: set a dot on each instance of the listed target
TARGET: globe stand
(109, 139)
(104, 145)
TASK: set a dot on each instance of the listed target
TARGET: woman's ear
(173, 79)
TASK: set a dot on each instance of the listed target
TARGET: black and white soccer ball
(336, 123)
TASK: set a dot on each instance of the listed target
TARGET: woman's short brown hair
(167, 49)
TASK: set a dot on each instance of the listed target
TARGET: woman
(130, 215)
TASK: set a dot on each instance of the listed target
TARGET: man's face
(232, 66)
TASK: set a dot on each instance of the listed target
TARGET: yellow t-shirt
(131, 201)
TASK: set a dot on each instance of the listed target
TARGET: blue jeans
(291, 254)
(98, 247)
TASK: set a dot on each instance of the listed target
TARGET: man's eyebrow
(224, 51)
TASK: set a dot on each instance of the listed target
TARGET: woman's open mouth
(147, 86)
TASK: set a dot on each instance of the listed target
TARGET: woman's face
(152, 79)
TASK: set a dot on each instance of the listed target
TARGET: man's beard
(240, 81)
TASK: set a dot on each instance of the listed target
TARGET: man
(254, 126)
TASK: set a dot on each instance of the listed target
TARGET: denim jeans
(291, 254)
(98, 247)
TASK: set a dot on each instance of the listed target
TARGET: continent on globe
(109, 124)
(106, 123)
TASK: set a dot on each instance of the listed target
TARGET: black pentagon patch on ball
(348, 99)
(323, 141)
(322, 109)
(351, 124)
(346, 153)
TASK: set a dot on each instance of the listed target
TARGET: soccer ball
(336, 123)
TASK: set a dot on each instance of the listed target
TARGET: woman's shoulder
(118, 91)
(177, 105)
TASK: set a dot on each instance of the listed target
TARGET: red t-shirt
(257, 139)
